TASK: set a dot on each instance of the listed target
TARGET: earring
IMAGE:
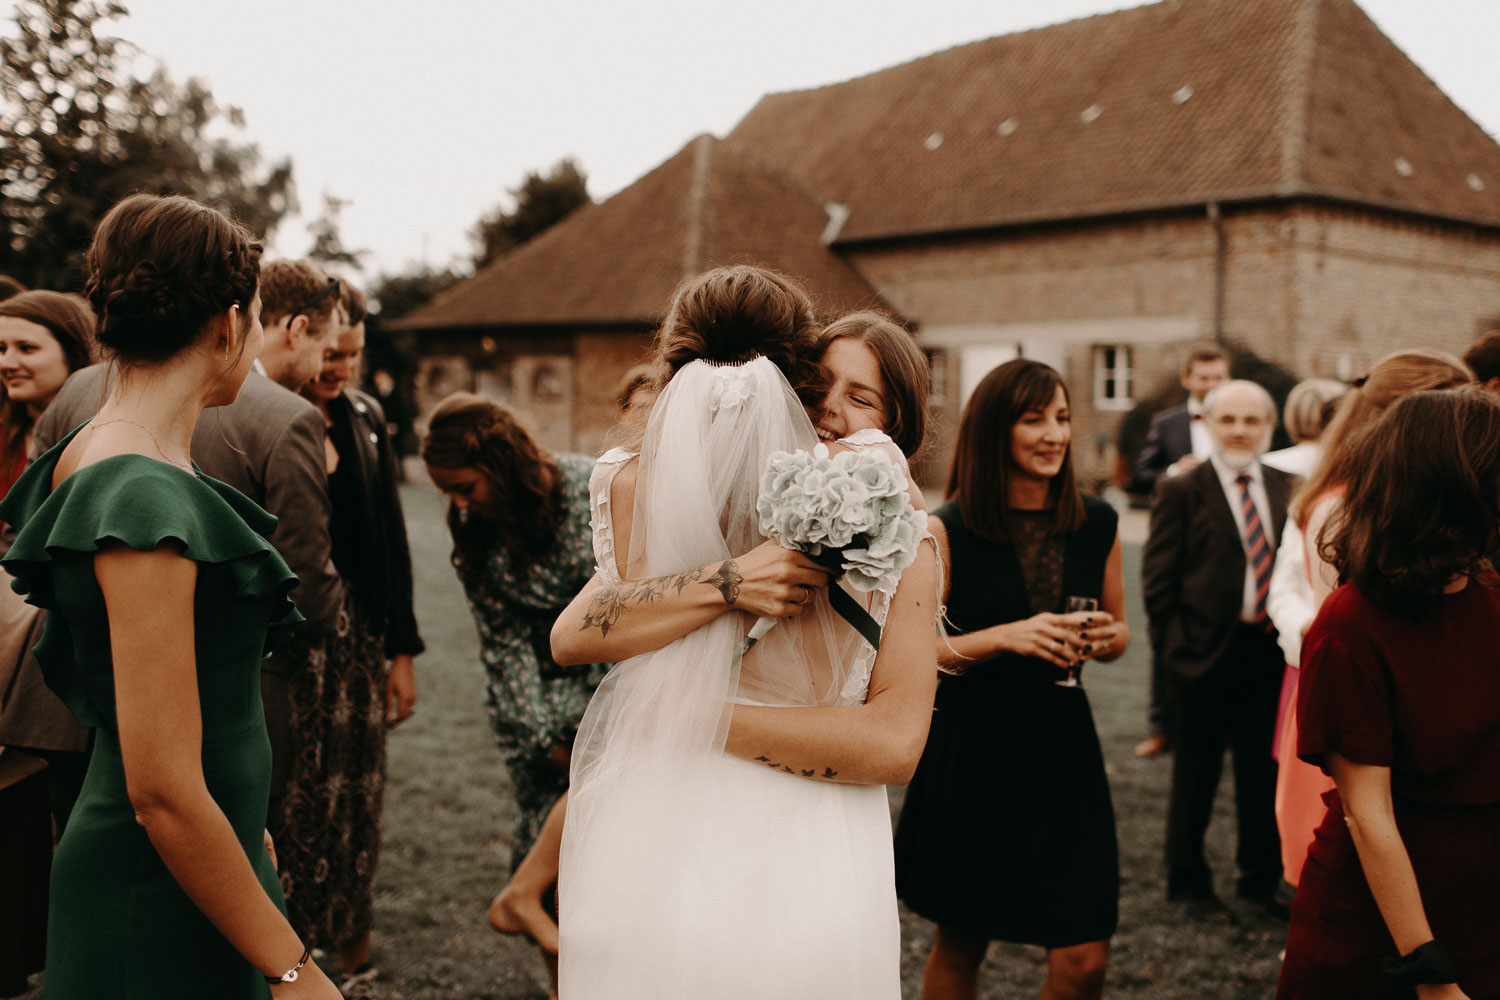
(226, 350)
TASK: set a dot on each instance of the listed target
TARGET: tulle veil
(643, 800)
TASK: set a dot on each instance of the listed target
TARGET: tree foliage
(328, 241)
(541, 201)
(79, 129)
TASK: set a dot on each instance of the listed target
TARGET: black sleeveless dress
(1008, 831)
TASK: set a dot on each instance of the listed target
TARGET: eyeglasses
(332, 288)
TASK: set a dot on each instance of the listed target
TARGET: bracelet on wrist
(1426, 965)
(290, 975)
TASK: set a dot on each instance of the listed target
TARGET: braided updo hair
(733, 314)
(160, 268)
(471, 432)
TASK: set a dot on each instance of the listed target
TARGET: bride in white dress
(728, 834)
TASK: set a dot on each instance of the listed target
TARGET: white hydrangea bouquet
(851, 514)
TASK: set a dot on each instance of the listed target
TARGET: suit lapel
(1215, 503)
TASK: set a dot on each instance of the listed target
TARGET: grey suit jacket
(268, 444)
(1193, 566)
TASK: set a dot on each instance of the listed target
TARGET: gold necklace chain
(187, 466)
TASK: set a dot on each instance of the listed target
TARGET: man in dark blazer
(1204, 575)
(1179, 440)
(268, 444)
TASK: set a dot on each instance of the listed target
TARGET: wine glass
(1077, 604)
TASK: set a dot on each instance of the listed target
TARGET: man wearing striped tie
(1204, 576)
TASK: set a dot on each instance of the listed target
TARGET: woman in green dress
(164, 595)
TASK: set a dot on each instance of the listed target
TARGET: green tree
(79, 130)
(328, 242)
(540, 202)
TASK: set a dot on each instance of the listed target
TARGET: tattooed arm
(610, 623)
(879, 742)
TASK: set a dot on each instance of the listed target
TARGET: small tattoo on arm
(727, 579)
(828, 772)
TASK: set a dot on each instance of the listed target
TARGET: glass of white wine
(1077, 604)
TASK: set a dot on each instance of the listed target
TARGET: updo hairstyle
(468, 431)
(733, 314)
(159, 268)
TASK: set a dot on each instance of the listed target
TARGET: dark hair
(636, 378)
(298, 288)
(1202, 354)
(1424, 506)
(353, 301)
(1484, 356)
(1390, 378)
(160, 268)
(71, 323)
(9, 286)
(903, 369)
(733, 314)
(470, 432)
(982, 460)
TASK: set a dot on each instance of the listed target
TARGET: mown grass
(448, 816)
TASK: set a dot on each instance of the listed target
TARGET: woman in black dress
(1008, 832)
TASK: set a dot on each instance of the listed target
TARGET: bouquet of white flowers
(851, 514)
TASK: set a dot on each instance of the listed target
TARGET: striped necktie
(1257, 550)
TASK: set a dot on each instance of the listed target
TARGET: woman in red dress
(1400, 703)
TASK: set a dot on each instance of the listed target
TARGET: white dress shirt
(1227, 477)
(1203, 441)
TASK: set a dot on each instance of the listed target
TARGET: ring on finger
(806, 595)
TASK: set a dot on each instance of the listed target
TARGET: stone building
(1096, 194)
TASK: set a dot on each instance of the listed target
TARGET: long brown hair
(982, 460)
(1423, 506)
(70, 321)
(903, 369)
(470, 432)
(1390, 378)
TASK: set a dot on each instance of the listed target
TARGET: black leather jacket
(377, 561)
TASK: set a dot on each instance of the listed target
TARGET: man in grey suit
(268, 444)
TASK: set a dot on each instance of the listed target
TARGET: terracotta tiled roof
(1174, 104)
(618, 262)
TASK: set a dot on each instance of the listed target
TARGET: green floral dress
(535, 705)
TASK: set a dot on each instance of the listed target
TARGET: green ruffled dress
(119, 925)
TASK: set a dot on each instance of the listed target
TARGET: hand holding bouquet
(849, 513)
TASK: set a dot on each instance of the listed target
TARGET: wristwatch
(290, 975)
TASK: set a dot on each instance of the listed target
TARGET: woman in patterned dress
(523, 547)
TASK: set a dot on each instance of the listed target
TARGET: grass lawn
(448, 817)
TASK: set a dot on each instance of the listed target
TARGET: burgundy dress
(1422, 698)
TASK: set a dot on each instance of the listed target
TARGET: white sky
(424, 115)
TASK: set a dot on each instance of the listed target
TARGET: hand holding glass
(1077, 604)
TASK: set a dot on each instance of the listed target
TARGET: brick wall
(1320, 289)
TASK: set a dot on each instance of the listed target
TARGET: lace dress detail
(856, 687)
(605, 470)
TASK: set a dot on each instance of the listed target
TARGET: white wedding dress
(688, 873)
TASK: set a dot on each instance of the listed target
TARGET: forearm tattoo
(828, 772)
(606, 606)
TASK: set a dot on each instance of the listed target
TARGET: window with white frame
(1114, 377)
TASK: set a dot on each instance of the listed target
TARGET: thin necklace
(188, 466)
